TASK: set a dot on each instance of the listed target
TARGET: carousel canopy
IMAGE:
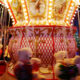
(42, 12)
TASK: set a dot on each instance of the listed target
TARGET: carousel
(44, 26)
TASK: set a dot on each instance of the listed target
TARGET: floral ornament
(17, 9)
(59, 8)
(37, 8)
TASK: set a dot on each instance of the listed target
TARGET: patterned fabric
(44, 42)
(64, 40)
(14, 46)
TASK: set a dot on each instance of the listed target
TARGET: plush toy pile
(66, 68)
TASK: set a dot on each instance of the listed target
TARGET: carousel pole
(4, 42)
(79, 19)
(2, 27)
(4, 31)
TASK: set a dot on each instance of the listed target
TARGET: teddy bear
(25, 62)
(66, 68)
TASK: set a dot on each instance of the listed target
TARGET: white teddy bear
(24, 57)
(66, 68)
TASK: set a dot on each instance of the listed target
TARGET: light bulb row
(69, 17)
(71, 13)
(25, 11)
(50, 10)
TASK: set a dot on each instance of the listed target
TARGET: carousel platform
(7, 76)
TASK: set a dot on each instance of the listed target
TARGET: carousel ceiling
(42, 12)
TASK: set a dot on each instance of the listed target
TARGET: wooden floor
(7, 76)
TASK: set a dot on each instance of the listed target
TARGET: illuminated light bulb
(70, 11)
(49, 16)
(26, 17)
(5, 1)
(74, 15)
(71, 8)
(50, 0)
(25, 14)
(73, 18)
(9, 10)
(50, 13)
(22, 1)
(23, 5)
(77, 9)
(72, 4)
(26, 21)
(71, 24)
(67, 18)
(24, 10)
(11, 16)
(50, 4)
(75, 12)
(12, 19)
(68, 15)
(77, 1)
(67, 22)
(49, 20)
(7, 6)
(13, 23)
(10, 0)
(10, 13)
(73, 0)
(50, 8)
